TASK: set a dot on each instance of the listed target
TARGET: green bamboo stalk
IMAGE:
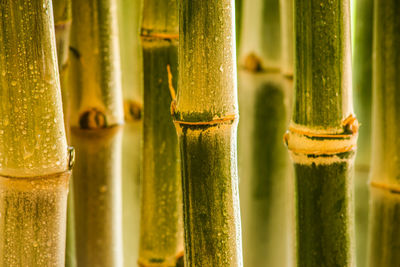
(161, 238)
(362, 78)
(34, 159)
(383, 244)
(362, 84)
(206, 115)
(96, 113)
(260, 47)
(323, 133)
(286, 9)
(264, 169)
(62, 24)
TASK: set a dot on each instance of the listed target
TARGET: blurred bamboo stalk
(62, 24)
(161, 229)
(129, 18)
(362, 85)
(34, 159)
(264, 168)
(287, 35)
(97, 197)
(260, 47)
(206, 115)
(385, 171)
(96, 116)
(323, 133)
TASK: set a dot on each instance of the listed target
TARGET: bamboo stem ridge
(34, 159)
(323, 133)
(206, 115)
(161, 227)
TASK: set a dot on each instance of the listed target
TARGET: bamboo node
(132, 110)
(252, 63)
(310, 145)
(389, 187)
(93, 119)
(163, 36)
(220, 120)
(71, 157)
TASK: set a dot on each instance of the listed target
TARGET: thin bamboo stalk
(206, 115)
(286, 16)
(62, 24)
(383, 245)
(34, 159)
(260, 47)
(384, 242)
(96, 95)
(264, 169)
(161, 229)
(323, 133)
(129, 18)
(97, 190)
(96, 113)
(362, 84)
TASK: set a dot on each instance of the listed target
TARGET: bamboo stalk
(264, 169)
(34, 159)
(323, 133)
(97, 189)
(129, 18)
(96, 113)
(62, 24)
(260, 47)
(96, 96)
(383, 229)
(362, 84)
(286, 16)
(206, 115)
(161, 238)
(383, 247)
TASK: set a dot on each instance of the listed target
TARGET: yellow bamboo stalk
(34, 159)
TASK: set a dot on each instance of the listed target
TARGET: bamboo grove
(163, 133)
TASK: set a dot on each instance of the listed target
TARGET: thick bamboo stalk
(384, 233)
(260, 47)
(161, 229)
(34, 159)
(206, 115)
(264, 169)
(323, 133)
(96, 112)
